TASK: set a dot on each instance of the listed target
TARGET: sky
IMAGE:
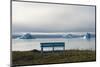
(43, 17)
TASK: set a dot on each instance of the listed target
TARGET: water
(73, 43)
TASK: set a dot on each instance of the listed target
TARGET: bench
(52, 45)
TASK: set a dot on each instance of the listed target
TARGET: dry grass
(35, 57)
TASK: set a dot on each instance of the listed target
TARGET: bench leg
(41, 49)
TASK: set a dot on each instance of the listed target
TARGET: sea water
(70, 44)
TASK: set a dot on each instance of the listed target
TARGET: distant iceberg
(26, 36)
(69, 36)
(73, 36)
(34, 36)
(87, 36)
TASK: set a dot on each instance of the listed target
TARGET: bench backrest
(53, 44)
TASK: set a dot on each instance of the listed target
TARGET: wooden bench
(52, 45)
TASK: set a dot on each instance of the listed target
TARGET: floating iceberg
(87, 36)
(26, 36)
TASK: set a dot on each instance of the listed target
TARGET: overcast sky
(42, 17)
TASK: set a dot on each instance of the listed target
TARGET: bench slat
(55, 44)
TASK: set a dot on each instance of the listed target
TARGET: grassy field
(35, 57)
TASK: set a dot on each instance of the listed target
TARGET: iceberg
(26, 36)
(87, 36)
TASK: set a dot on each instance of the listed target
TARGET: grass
(35, 57)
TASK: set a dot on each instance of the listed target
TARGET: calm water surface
(74, 43)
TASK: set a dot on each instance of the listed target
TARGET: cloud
(39, 17)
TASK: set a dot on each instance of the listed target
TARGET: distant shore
(68, 56)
